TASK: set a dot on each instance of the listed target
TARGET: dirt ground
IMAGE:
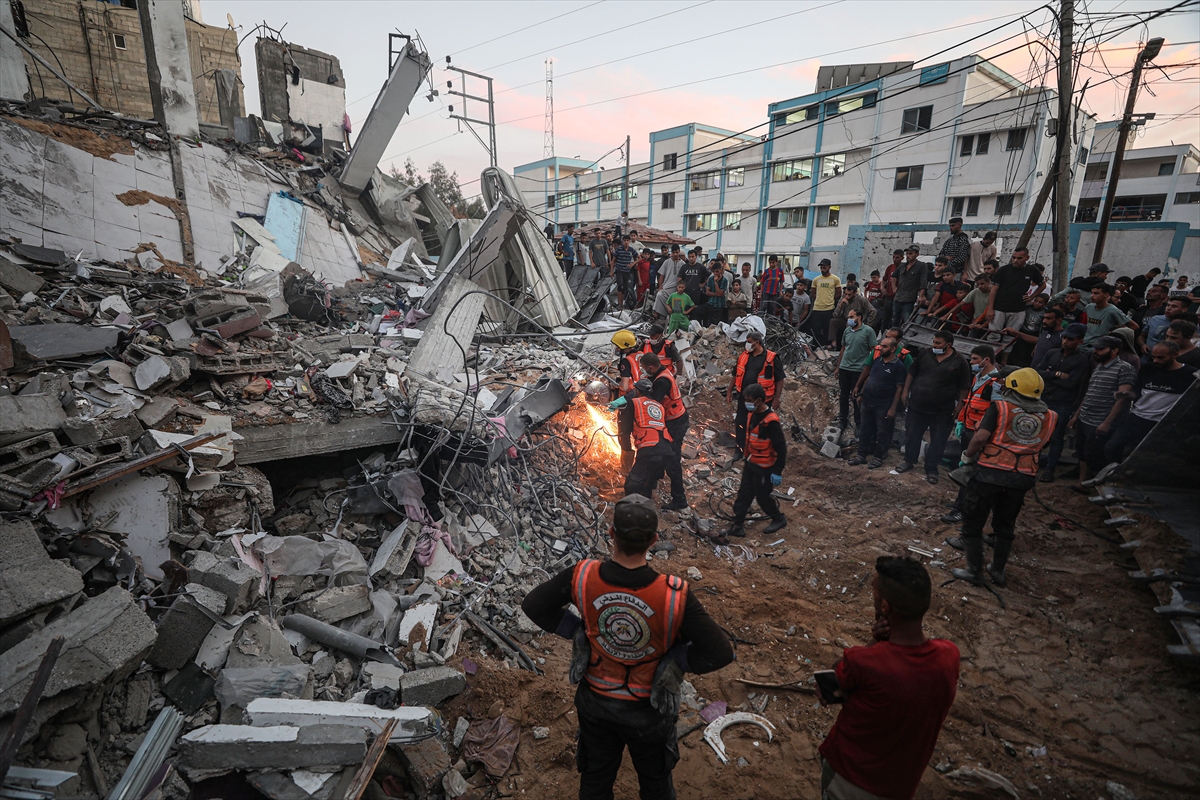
(1076, 663)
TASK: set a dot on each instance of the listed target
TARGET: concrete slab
(30, 580)
(233, 578)
(184, 627)
(65, 340)
(147, 510)
(28, 415)
(15, 277)
(335, 603)
(275, 442)
(412, 720)
(431, 686)
(416, 628)
(279, 747)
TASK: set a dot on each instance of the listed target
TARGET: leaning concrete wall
(85, 39)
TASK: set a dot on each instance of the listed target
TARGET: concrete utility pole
(1147, 54)
(625, 180)
(1062, 194)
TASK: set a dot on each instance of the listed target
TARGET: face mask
(974, 367)
(852, 323)
(749, 347)
(750, 406)
(937, 351)
(656, 342)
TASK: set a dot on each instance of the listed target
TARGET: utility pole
(1062, 194)
(548, 138)
(625, 180)
(1147, 54)
(490, 122)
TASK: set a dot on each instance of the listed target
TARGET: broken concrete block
(260, 643)
(30, 579)
(830, 449)
(426, 762)
(341, 369)
(14, 456)
(157, 371)
(179, 330)
(233, 578)
(158, 411)
(416, 627)
(63, 340)
(429, 687)
(106, 637)
(411, 721)
(20, 280)
(183, 628)
(381, 676)
(147, 510)
(277, 786)
(335, 603)
(281, 747)
(90, 431)
(29, 415)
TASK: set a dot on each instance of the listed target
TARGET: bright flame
(605, 431)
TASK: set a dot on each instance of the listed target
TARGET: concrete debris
(29, 579)
(184, 627)
(225, 747)
(432, 686)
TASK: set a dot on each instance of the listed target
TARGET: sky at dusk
(629, 68)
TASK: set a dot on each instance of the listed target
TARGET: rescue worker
(666, 351)
(756, 365)
(1005, 451)
(640, 633)
(979, 399)
(627, 358)
(642, 430)
(766, 454)
(665, 390)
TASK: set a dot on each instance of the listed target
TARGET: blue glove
(615, 404)
(958, 429)
(776, 480)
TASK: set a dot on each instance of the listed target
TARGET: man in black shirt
(630, 714)
(1097, 274)
(1142, 282)
(1064, 370)
(937, 384)
(694, 274)
(1006, 303)
(1156, 303)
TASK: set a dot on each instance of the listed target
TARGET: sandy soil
(1075, 663)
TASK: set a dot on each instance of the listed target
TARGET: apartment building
(1156, 184)
(874, 144)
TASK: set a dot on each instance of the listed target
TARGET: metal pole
(492, 121)
(1110, 196)
(625, 180)
(1062, 228)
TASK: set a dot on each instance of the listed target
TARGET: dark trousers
(938, 425)
(962, 490)
(1130, 434)
(740, 417)
(1090, 444)
(901, 312)
(678, 429)
(885, 314)
(818, 322)
(756, 485)
(846, 381)
(1001, 502)
(605, 732)
(875, 433)
(1058, 439)
(648, 469)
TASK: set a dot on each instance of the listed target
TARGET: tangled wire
(791, 345)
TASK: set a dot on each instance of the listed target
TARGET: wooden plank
(138, 464)
(371, 762)
(276, 442)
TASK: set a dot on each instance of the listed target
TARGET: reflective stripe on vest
(673, 402)
(973, 410)
(768, 384)
(1019, 436)
(635, 369)
(667, 363)
(649, 423)
(759, 449)
(629, 630)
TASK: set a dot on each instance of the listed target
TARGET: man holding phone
(897, 693)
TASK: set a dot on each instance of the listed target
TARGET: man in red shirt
(897, 693)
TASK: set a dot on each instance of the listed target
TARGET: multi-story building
(1156, 183)
(874, 144)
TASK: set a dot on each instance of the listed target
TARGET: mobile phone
(827, 684)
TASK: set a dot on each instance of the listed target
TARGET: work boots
(776, 525)
(973, 574)
(995, 567)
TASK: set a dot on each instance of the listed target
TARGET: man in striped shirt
(623, 256)
(772, 286)
(1111, 382)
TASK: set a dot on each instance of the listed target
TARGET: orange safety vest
(1019, 436)
(629, 630)
(649, 423)
(973, 410)
(759, 449)
(668, 363)
(673, 403)
(635, 369)
(768, 384)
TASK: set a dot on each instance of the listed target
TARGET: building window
(909, 177)
(615, 192)
(1083, 154)
(1187, 198)
(702, 222)
(967, 145)
(835, 107)
(917, 120)
(792, 170)
(119, 41)
(1166, 168)
(735, 177)
(981, 143)
(668, 200)
(799, 115)
(1016, 139)
(832, 166)
(706, 180)
(972, 206)
(1004, 204)
(827, 216)
(733, 220)
(550, 200)
(787, 218)
(670, 160)
(956, 206)
(567, 199)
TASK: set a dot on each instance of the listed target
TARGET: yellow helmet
(624, 339)
(1026, 382)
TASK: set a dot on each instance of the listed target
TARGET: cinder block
(426, 762)
(231, 577)
(25, 452)
(335, 603)
(182, 629)
(429, 687)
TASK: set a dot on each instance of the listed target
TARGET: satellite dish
(229, 19)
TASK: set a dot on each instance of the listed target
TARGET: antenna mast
(548, 141)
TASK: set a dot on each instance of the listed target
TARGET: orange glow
(605, 430)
